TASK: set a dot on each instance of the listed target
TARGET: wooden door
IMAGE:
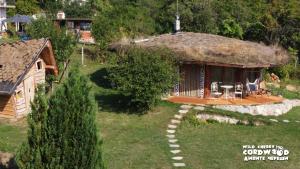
(29, 91)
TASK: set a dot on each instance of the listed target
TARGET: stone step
(170, 136)
(175, 121)
(171, 131)
(175, 151)
(201, 108)
(178, 164)
(177, 158)
(185, 107)
(173, 140)
(182, 111)
(274, 120)
(174, 145)
(286, 121)
(171, 126)
(178, 116)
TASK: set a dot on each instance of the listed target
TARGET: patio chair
(252, 87)
(214, 90)
(238, 89)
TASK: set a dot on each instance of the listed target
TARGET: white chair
(252, 87)
(214, 90)
(238, 89)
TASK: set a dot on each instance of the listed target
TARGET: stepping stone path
(274, 120)
(171, 130)
(178, 164)
(286, 121)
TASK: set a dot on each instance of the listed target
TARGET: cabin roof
(17, 58)
(211, 49)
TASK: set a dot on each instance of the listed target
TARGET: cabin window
(19, 94)
(39, 65)
(253, 74)
(222, 75)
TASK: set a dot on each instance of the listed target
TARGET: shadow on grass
(109, 99)
(100, 78)
(114, 102)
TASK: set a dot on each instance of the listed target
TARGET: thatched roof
(17, 58)
(213, 50)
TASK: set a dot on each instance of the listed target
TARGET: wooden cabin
(206, 58)
(23, 65)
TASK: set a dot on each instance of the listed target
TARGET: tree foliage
(63, 44)
(144, 76)
(273, 22)
(62, 131)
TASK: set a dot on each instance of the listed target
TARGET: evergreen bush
(62, 131)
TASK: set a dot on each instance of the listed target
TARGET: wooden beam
(50, 67)
(228, 65)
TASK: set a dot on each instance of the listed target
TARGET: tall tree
(31, 152)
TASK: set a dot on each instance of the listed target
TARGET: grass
(219, 146)
(12, 135)
(133, 141)
(284, 93)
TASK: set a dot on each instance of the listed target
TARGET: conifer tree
(66, 136)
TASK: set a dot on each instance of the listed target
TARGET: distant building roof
(74, 19)
(19, 18)
(17, 58)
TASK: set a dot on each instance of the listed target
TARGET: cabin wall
(24, 94)
(191, 81)
(7, 106)
(195, 79)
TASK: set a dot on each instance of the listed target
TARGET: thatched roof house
(23, 65)
(213, 57)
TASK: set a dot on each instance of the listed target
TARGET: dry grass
(213, 49)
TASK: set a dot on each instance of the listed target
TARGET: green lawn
(132, 141)
(219, 146)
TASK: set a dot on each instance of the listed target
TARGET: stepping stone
(175, 121)
(297, 121)
(170, 136)
(178, 164)
(274, 120)
(286, 121)
(173, 140)
(182, 111)
(178, 116)
(201, 108)
(186, 107)
(177, 158)
(175, 151)
(171, 131)
(174, 145)
(171, 126)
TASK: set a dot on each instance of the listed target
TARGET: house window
(39, 65)
(19, 94)
(1, 66)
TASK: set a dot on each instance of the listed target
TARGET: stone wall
(265, 110)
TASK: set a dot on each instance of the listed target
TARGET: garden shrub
(143, 76)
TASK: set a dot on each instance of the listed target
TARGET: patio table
(226, 88)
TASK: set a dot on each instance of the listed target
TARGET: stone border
(265, 110)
